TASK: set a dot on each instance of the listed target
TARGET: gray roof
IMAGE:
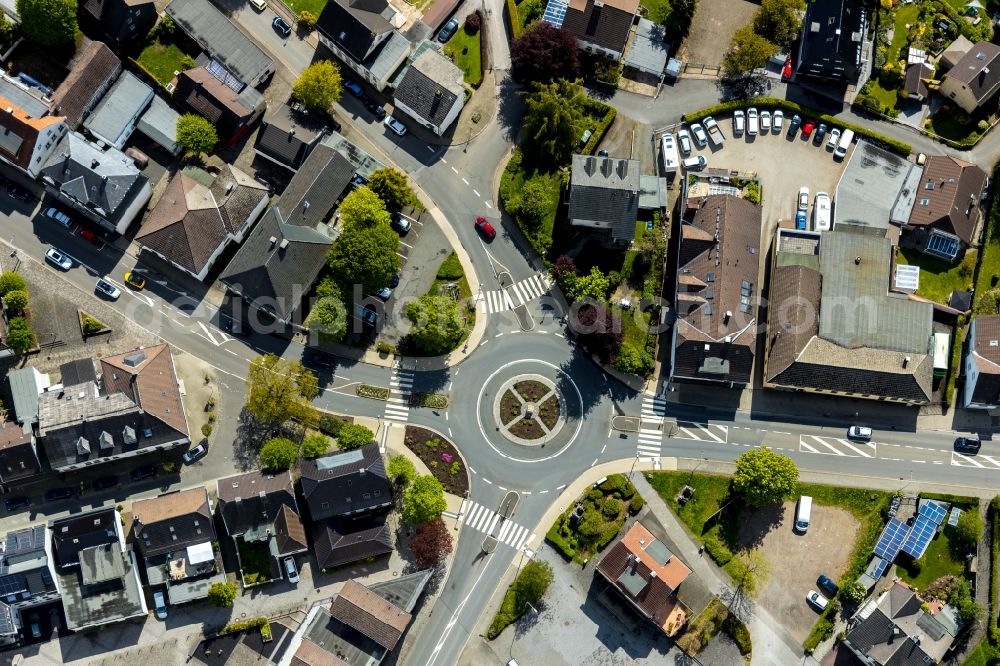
(23, 97)
(648, 52)
(652, 192)
(388, 55)
(159, 123)
(336, 638)
(24, 569)
(111, 120)
(403, 591)
(316, 188)
(877, 187)
(287, 136)
(25, 388)
(220, 39)
(78, 371)
(345, 483)
(604, 194)
(361, 161)
(856, 309)
(979, 70)
(431, 86)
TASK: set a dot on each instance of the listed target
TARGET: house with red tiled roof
(230, 111)
(647, 574)
(28, 137)
(92, 75)
(946, 217)
(982, 364)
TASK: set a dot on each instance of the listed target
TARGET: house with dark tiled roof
(947, 217)
(714, 338)
(287, 136)
(124, 21)
(975, 78)
(604, 196)
(644, 571)
(599, 27)
(348, 495)
(894, 629)
(18, 455)
(96, 574)
(283, 255)
(835, 328)
(432, 92)
(199, 215)
(915, 83)
(231, 111)
(92, 75)
(363, 36)
(982, 364)
(27, 575)
(259, 511)
(173, 534)
(833, 44)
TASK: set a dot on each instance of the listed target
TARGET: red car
(808, 128)
(786, 71)
(485, 228)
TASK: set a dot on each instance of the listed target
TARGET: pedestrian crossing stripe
(962, 460)
(485, 520)
(654, 407)
(650, 441)
(702, 432)
(515, 295)
(830, 446)
(397, 404)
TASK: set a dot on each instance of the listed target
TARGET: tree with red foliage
(563, 268)
(545, 53)
(431, 543)
(598, 331)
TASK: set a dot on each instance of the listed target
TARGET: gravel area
(712, 28)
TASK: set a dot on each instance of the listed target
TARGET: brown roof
(252, 484)
(17, 455)
(209, 96)
(172, 505)
(607, 25)
(19, 131)
(987, 331)
(363, 610)
(793, 315)
(949, 197)
(310, 654)
(147, 377)
(289, 532)
(979, 69)
(91, 75)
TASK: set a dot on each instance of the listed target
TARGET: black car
(105, 482)
(377, 109)
(828, 587)
(281, 26)
(820, 133)
(140, 473)
(793, 125)
(19, 192)
(320, 360)
(233, 327)
(967, 445)
(15, 503)
(59, 494)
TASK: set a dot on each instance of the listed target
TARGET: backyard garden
(167, 50)
(255, 562)
(939, 278)
(465, 49)
(595, 519)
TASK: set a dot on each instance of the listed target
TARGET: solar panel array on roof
(933, 510)
(891, 539)
(555, 12)
(919, 537)
(944, 246)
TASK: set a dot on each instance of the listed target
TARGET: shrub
(603, 125)
(473, 22)
(373, 392)
(515, 20)
(206, 429)
(611, 508)
(330, 425)
(89, 324)
(636, 504)
(717, 550)
(822, 630)
(450, 268)
(385, 348)
(608, 534)
(307, 20)
(314, 446)
(236, 627)
(401, 470)
(11, 281)
(223, 595)
(16, 300)
(278, 454)
(19, 335)
(739, 633)
(354, 436)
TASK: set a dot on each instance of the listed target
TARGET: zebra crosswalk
(397, 406)
(488, 521)
(516, 295)
(653, 407)
(978, 460)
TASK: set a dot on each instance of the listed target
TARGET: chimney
(729, 314)
(274, 241)
(906, 361)
(291, 132)
(10, 110)
(857, 261)
(238, 499)
(94, 164)
(437, 101)
(590, 166)
(284, 244)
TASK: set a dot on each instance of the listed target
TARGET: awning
(199, 553)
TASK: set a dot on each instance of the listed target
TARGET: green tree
(6, 29)
(19, 335)
(593, 285)
(779, 21)
(438, 325)
(319, 85)
(354, 436)
(424, 500)
(314, 446)
(363, 208)
(553, 120)
(16, 300)
(306, 20)
(278, 389)
(11, 281)
(763, 476)
(48, 22)
(747, 52)
(970, 528)
(531, 584)
(222, 594)
(631, 359)
(401, 470)
(676, 17)
(195, 134)
(749, 571)
(328, 317)
(531, 203)
(365, 256)
(854, 592)
(278, 454)
(960, 596)
(392, 187)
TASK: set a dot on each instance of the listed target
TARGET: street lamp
(633, 465)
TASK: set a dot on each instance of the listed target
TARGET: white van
(669, 151)
(695, 163)
(821, 212)
(845, 143)
(802, 514)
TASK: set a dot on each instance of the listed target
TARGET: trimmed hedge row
(236, 627)
(515, 20)
(373, 392)
(992, 635)
(594, 107)
(725, 107)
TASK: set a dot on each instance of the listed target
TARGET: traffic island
(529, 409)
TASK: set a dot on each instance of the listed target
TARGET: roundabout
(530, 410)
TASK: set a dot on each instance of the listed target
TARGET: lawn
(939, 278)
(954, 124)
(989, 267)
(463, 48)
(314, 7)
(255, 562)
(904, 14)
(983, 655)
(162, 60)
(939, 560)
(605, 509)
(515, 175)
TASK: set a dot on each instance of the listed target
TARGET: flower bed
(510, 407)
(527, 429)
(373, 392)
(432, 400)
(531, 390)
(548, 412)
(440, 456)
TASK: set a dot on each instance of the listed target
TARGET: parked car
(602, 153)
(160, 604)
(105, 482)
(793, 125)
(36, 627)
(105, 288)
(817, 600)
(259, 5)
(14, 503)
(139, 158)
(396, 126)
(354, 89)
(753, 121)
(291, 571)
(144, 472)
(384, 293)
(700, 137)
(860, 433)
(401, 225)
(739, 122)
(281, 26)
(829, 588)
(394, 282)
(135, 280)
(448, 31)
(19, 193)
(684, 139)
(962, 445)
(194, 454)
(834, 138)
(820, 133)
(59, 216)
(808, 128)
(58, 259)
(786, 71)
(485, 228)
(57, 494)
(801, 220)
(377, 109)
(777, 121)
(803, 198)
(765, 122)
(695, 163)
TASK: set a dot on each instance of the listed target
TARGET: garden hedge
(725, 107)
(602, 126)
(515, 20)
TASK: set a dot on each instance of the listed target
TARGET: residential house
(199, 215)
(231, 112)
(975, 78)
(284, 254)
(287, 136)
(714, 338)
(876, 192)
(982, 364)
(604, 195)
(96, 574)
(28, 133)
(647, 574)
(228, 54)
(601, 27)
(432, 91)
(915, 83)
(348, 495)
(895, 629)
(102, 185)
(947, 215)
(116, 116)
(26, 575)
(123, 21)
(955, 52)
(159, 123)
(93, 73)
(835, 328)
(136, 409)
(362, 35)
(259, 511)
(26, 384)
(173, 534)
(362, 625)
(18, 455)
(833, 46)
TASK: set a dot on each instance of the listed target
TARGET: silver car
(59, 259)
(396, 126)
(684, 139)
(105, 288)
(699, 135)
